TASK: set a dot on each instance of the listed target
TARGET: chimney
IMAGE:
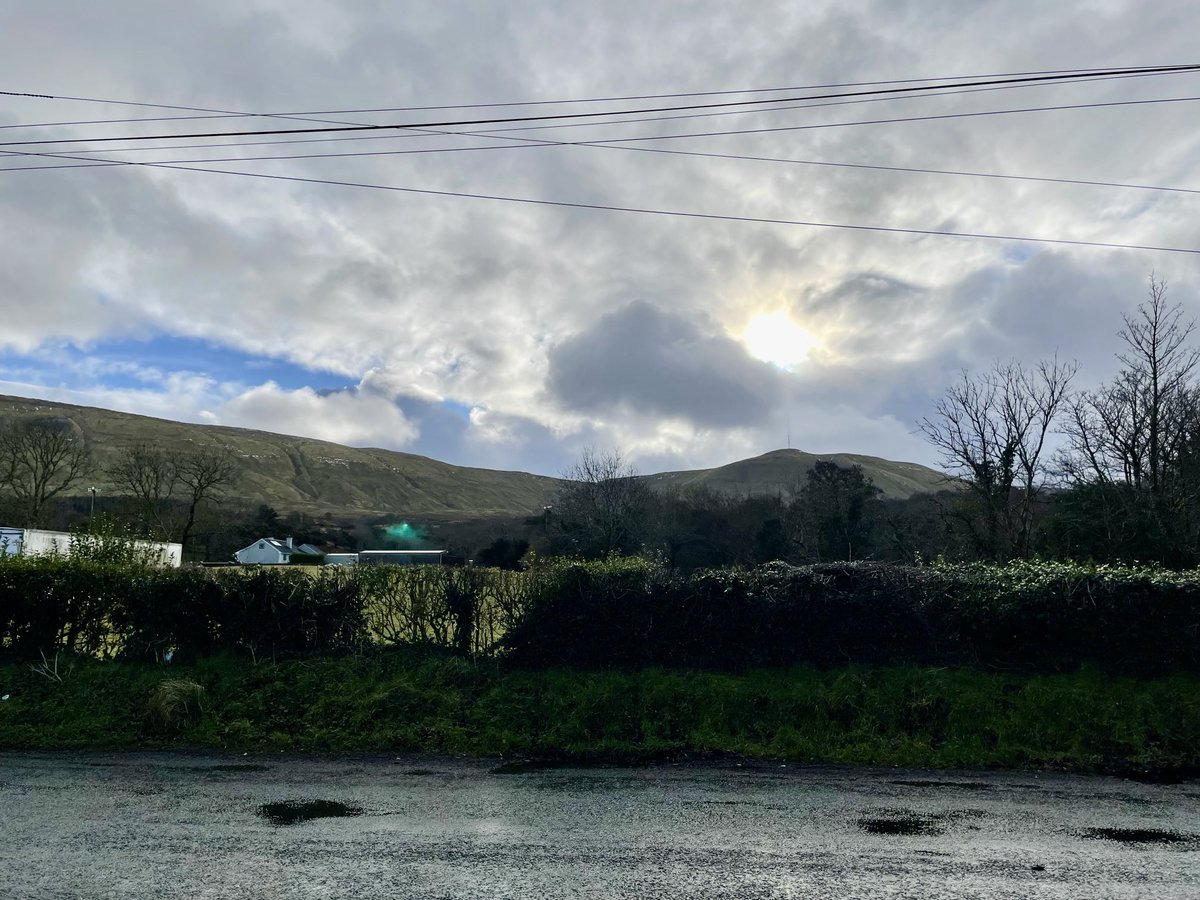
(290, 545)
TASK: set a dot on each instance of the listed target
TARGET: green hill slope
(782, 471)
(331, 480)
(300, 474)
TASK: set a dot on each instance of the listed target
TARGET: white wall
(36, 541)
(260, 553)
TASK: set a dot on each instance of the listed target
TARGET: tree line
(162, 492)
(1122, 481)
(1041, 469)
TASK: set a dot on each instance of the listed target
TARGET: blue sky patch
(123, 364)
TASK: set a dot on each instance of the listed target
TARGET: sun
(775, 338)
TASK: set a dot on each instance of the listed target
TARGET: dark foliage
(623, 613)
(1022, 617)
(48, 605)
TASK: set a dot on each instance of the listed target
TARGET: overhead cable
(563, 116)
(647, 211)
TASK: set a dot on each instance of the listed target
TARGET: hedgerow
(622, 613)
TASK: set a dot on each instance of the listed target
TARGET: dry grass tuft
(174, 704)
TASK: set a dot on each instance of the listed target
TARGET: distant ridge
(781, 471)
(333, 481)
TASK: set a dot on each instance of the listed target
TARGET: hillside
(781, 471)
(305, 475)
(332, 481)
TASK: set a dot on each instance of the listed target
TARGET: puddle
(961, 785)
(291, 812)
(909, 824)
(1139, 836)
(903, 821)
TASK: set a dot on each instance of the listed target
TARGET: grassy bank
(413, 700)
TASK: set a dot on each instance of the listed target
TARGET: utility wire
(818, 125)
(534, 201)
(310, 117)
(582, 115)
(1080, 76)
(623, 144)
(914, 170)
(492, 133)
(564, 204)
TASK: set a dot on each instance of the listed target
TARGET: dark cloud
(652, 361)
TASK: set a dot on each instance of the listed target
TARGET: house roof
(282, 547)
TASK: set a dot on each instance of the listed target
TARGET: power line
(564, 204)
(1073, 76)
(928, 118)
(622, 144)
(489, 133)
(492, 133)
(583, 115)
(536, 142)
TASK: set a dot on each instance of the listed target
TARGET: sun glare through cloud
(777, 339)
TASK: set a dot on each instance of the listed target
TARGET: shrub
(624, 612)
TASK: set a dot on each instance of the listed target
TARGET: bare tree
(169, 487)
(1131, 444)
(991, 430)
(603, 507)
(1132, 430)
(149, 474)
(202, 475)
(38, 461)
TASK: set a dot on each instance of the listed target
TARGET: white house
(36, 542)
(274, 552)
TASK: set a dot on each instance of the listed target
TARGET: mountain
(300, 474)
(332, 481)
(781, 471)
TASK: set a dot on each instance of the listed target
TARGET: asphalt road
(166, 825)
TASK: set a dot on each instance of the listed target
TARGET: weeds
(427, 701)
(174, 704)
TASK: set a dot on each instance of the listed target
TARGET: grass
(432, 702)
(173, 704)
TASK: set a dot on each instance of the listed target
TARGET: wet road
(174, 825)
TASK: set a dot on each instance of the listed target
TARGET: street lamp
(92, 508)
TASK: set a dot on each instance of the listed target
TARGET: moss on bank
(431, 702)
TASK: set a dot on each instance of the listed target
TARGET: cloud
(434, 304)
(646, 360)
(345, 417)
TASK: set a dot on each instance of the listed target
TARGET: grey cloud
(502, 307)
(653, 361)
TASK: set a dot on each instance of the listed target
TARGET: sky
(514, 335)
